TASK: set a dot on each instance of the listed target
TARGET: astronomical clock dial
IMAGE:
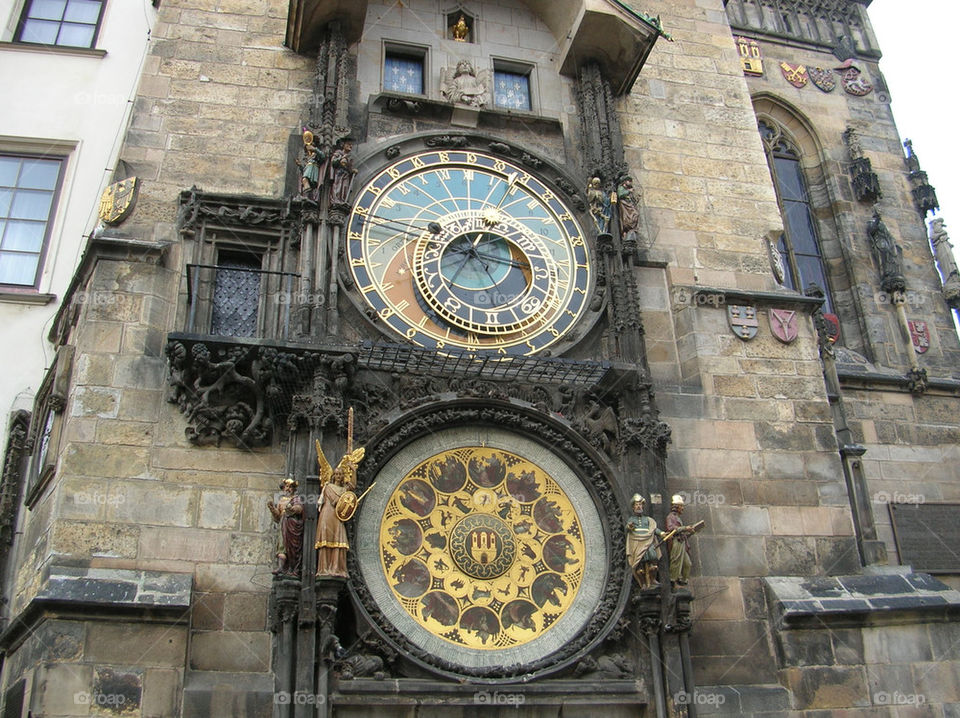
(455, 248)
(486, 553)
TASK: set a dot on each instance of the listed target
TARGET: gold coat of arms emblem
(117, 201)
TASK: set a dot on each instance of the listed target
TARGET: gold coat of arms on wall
(117, 201)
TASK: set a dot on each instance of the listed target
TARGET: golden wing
(352, 459)
(325, 469)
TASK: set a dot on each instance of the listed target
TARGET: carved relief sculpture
(465, 85)
(288, 513)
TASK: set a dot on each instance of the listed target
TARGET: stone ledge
(718, 296)
(740, 700)
(817, 602)
(108, 593)
(116, 586)
(367, 691)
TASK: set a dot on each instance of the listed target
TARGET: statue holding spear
(336, 505)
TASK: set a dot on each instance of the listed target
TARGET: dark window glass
(799, 247)
(70, 23)
(28, 187)
(236, 295)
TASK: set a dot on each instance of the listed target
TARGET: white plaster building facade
(69, 70)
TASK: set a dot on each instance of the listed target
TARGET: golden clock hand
(504, 260)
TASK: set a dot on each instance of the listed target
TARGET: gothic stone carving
(233, 392)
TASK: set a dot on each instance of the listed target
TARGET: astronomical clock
(483, 546)
(455, 248)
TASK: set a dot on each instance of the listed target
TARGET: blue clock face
(462, 249)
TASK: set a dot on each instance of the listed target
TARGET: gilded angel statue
(336, 505)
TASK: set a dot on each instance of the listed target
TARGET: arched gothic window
(799, 245)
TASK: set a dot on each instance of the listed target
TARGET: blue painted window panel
(511, 90)
(403, 74)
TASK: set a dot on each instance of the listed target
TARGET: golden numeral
(374, 190)
(389, 202)
(444, 174)
(354, 235)
(386, 312)
(444, 156)
(417, 163)
(358, 261)
(499, 166)
(411, 333)
(471, 158)
(362, 210)
(394, 173)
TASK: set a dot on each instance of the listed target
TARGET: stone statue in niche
(288, 513)
(599, 205)
(889, 254)
(465, 86)
(340, 171)
(629, 210)
(460, 30)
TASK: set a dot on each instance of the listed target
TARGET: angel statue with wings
(335, 506)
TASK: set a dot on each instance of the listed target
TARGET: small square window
(69, 23)
(28, 191)
(403, 72)
(511, 89)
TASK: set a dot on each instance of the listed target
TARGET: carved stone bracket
(866, 184)
(284, 601)
(234, 391)
(917, 381)
(924, 195)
